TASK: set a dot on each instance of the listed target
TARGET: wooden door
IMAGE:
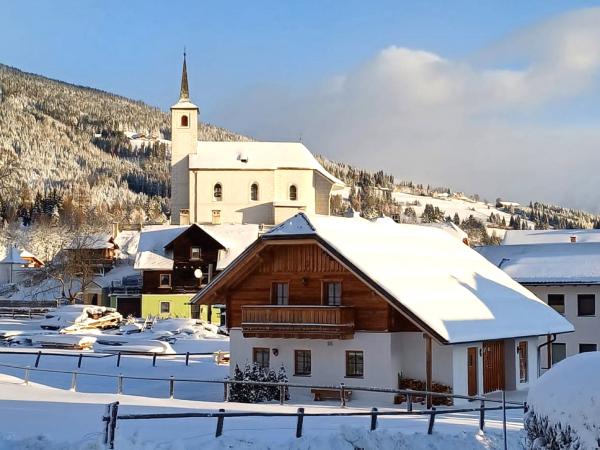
(493, 366)
(472, 370)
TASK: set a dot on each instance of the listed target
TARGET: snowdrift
(116, 344)
(564, 405)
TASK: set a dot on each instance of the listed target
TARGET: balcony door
(280, 294)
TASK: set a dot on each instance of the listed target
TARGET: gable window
(217, 192)
(557, 302)
(260, 357)
(302, 363)
(165, 307)
(586, 305)
(184, 121)
(293, 192)
(354, 364)
(196, 253)
(523, 363)
(584, 348)
(254, 192)
(559, 352)
(164, 280)
(280, 293)
(332, 293)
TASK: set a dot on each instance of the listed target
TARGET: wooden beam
(428, 369)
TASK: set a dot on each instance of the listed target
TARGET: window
(184, 121)
(586, 304)
(216, 217)
(557, 301)
(354, 364)
(254, 192)
(280, 294)
(164, 280)
(523, 365)
(332, 293)
(196, 253)
(260, 356)
(165, 307)
(559, 352)
(293, 192)
(584, 348)
(302, 362)
(218, 192)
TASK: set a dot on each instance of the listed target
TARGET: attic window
(573, 239)
(243, 158)
(293, 192)
(218, 192)
(184, 121)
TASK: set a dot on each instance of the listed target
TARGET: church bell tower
(184, 140)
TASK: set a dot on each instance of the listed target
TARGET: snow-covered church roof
(256, 156)
(433, 276)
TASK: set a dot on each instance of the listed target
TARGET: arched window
(293, 192)
(254, 192)
(218, 192)
(184, 121)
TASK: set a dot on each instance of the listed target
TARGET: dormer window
(218, 192)
(254, 192)
(293, 192)
(184, 121)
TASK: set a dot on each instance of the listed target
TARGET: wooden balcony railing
(313, 322)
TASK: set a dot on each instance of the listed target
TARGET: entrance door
(493, 366)
(472, 370)
(129, 306)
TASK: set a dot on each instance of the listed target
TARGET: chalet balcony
(300, 322)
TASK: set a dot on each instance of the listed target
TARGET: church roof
(256, 156)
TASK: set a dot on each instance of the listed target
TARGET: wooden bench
(330, 394)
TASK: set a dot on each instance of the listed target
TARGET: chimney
(184, 216)
(573, 239)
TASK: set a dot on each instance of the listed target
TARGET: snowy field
(46, 415)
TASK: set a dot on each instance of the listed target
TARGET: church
(240, 182)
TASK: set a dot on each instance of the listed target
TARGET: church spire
(184, 94)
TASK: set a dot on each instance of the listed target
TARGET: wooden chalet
(368, 304)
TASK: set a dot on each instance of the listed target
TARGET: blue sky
(494, 97)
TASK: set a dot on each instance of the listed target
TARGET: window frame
(587, 296)
(297, 363)
(160, 280)
(165, 302)
(295, 196)
(184, 118)
(195, 247)
(557, 344)
(275, 293)
(261, 350)
(253, 197)
(554, 306)
(217, 198)
(355, 373)
(523, 352)
(586, 351)
(325, 292)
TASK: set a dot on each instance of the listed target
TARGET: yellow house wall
(179, 305)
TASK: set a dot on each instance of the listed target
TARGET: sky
(499, 98)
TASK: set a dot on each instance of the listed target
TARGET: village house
(337, 299)
(240, 182)
(561, 267)
(17, 265)
(175, 261)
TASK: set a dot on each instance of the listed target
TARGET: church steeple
(184, 93)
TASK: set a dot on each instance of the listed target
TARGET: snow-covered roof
(446, 285)
(13, 256)
(530, 237)
(547, 263)
(95, 241)
(234, 237)
(127, 241)
(256, 156)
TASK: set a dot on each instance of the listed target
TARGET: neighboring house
(336, 299)
(240, 182)
(17, 266)
(97, 251)
(172, 257)
(561, 267)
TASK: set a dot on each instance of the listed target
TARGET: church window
(184, 121)
(293, 192)
(254, 192)
(218, 192)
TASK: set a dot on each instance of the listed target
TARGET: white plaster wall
(412, 356)
(587, 329)
(183, 141)
(532, 343)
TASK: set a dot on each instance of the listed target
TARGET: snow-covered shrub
(248, 393)
(564, 406)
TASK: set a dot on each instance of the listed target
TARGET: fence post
(120, 384)
(113, 424)
(300, 422)
(220, 419)
(342, 395)
(481, 415)
(281, 394)
(119, 359)
(26, 380)
(79, 361)
(431, 420)
(154, 360)
(409, 405)
(106, 418)
(171, 387)
(187, 358)
(37, 360)
(74, 381)
(225, 391)
(373, 419)
(504, 418)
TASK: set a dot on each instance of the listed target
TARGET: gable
(193, 236)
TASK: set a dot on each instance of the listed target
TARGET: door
(472, 370)
(493, 366)
(130, 306)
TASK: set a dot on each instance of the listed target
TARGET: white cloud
(456, 123)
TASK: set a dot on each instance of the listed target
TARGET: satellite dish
(198, 273)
